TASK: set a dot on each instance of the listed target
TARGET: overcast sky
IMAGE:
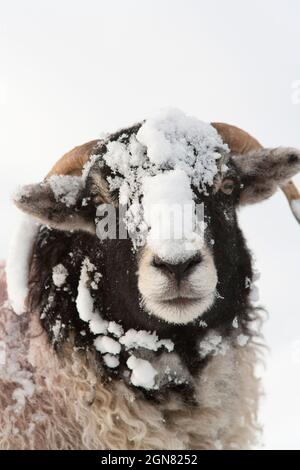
(71, 69)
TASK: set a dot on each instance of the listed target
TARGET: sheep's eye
(227, 186)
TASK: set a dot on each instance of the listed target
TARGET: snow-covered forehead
(169, 154)
(171, 187)
(173, 138)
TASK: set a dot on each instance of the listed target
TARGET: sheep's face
(176, 277)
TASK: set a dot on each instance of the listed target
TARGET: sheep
(131, 345)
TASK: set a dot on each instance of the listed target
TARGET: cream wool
(73, 408)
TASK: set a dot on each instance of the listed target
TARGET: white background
(71, 69)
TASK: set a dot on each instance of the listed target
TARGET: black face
(118, 297)
(137, 290)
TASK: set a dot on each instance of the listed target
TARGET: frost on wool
(56, 329)
(143, 339)
(111, 361)
(105, 344)
(143, 373)
(85, 302)
(14, 367)
(115, 329)
(109, 347)
(18, 262)
(242, 340)
(254, 290)
(213, 344)
(59, 275)
(66, 188)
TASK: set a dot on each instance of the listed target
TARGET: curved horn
(240, 142)
(73, 162)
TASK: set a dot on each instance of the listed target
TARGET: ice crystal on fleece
(109, 347)
(17, 266)
(66, 188)
(242, 340)
(56, 329)
(59, 275)
(15, 369)
(111, 361)
(143, 373)
(213, 344)
(95, 282)
(25, 390)
(85, 302)
(97, 325)
(115, 329)
(105, 344)
(235, 323)
(254, 290)
(134, 339)
(254, 294)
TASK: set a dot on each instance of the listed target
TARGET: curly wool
(72, 408)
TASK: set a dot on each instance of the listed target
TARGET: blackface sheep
(137, 341)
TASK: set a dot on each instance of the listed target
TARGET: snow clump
(143, 373)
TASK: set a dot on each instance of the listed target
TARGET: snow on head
(66, 188)
(174, 139)
(169, 211)
(158, 166)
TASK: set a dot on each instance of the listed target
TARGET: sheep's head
(152, 176)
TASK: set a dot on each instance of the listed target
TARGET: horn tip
(295, 206)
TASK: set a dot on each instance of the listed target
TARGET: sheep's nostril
(179, 270)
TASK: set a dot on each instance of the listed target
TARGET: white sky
(71, 69)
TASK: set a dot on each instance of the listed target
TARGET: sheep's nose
(179, 270)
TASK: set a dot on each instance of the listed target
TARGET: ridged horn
(73, 162)
(240, 142)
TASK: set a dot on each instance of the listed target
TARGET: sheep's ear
(58, 202)
(263, 171)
